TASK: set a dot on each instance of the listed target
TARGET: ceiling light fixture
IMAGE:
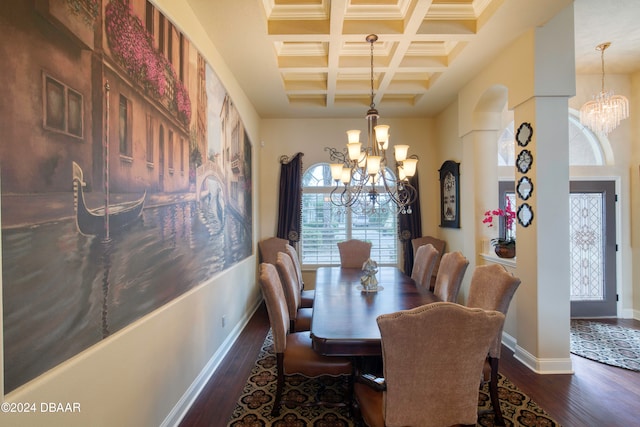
(363, 170)
(604, 112)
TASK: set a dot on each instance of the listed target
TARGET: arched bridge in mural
(207, 170)
(211, 169)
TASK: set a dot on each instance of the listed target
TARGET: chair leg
(493, 392)
(279, 385)
(350, 391)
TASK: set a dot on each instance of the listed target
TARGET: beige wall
(146, 374)
(634, 173)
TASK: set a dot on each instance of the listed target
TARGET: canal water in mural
(68, 291)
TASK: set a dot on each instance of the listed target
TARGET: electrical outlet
(224, 321)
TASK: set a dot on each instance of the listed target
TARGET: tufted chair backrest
(289, 281)
(492, 288)
(423, 264)
(433, 357)
(276, 303)
(354, 252)
(453, 265)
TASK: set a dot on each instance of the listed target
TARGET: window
(170, 42)
(161, 35)
(149, 139)
(63, 108)
(585, 147)
(149, 17)
(324, 224)
(182, 150)
(170, 153)
(125, 128)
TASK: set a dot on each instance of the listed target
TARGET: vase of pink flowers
(505, 244)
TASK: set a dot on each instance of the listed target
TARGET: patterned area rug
(255, 403)
(605, 343)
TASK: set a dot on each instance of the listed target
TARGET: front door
(592, 228)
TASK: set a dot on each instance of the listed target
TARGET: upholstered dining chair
(440, 246)
(430, 379)
(453, 265)
(492, 288)
(306, 295)
(270, 247)
(423, 264)
(294, 354)
(299, 317)
(354, 252)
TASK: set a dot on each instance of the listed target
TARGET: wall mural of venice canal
(125, 175)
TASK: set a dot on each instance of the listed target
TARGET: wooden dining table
(344, 316)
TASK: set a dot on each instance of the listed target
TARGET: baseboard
(630, 313)
(181, 408)
(544, 366)
(509, 341)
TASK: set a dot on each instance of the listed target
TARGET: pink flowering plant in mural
(87, 9)
(133, 47)
(509, 216)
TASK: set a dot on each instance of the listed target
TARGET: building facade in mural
(112, 109)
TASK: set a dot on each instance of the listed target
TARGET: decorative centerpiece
(369, 280)
(505, 245)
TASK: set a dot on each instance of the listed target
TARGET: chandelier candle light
(362, 171)
(604, 112)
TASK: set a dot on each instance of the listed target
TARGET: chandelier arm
(336, 156)
(341, 199)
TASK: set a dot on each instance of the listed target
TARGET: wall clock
(449, 194)
(524, 134)
(524, 161)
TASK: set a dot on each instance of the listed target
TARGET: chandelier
(604, 112)
(362, 171)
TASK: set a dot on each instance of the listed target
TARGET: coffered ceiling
(310, 58)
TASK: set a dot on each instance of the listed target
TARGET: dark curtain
(290, 198)
(410, 227)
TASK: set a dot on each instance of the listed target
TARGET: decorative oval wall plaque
(524, 134)
(524, 161)
(525, 188)
(525, 215)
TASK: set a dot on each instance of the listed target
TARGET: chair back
(492, 288)
(276, 303)
(453, 265)
(439, 244)
(433, 357)
(423, 264)
(289, 280)
(354, 252)
(291, 251)
(270, 247)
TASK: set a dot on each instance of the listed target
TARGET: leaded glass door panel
(592, 249)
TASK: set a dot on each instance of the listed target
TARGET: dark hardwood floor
(596, 395)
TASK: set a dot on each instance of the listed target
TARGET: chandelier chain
(372, 105)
